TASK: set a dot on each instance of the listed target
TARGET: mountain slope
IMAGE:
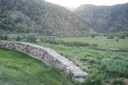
(105, 18)
(39, 16)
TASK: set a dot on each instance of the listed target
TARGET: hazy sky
(76, 3)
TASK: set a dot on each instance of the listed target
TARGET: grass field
(101, 41)
(20, 69)
(104, 67)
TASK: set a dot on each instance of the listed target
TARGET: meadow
(104, 67)
(20, 69)
(101, 41)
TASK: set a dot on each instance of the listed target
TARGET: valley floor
(104, 67)
(101, 41)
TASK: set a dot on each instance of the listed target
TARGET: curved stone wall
(48, 56)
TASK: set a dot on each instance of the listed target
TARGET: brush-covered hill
(105, 18)
(38, 16)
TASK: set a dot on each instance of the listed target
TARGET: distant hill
(105, 18)
(38, 16)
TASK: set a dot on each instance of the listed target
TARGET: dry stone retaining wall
(48, 56)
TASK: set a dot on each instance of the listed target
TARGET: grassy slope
(102, 42)
(19, 69)
(110, 65)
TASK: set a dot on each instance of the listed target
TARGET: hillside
(38, 16)
(105, 18)
(20, 69)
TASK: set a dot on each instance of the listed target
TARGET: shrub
(110, 37)
(31, 38)
(54, 41)
(18, 38)
(117, 39)
(93, 36)
(115, 68)
(95, 79)
(118, 82)
(121, 36)
(5, 37)
(1, 37)
(94, 45)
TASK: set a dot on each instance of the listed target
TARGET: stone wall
(48, 56)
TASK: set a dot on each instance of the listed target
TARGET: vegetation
(18, 38)
(31, 38)
(102, 42)
(1, 37)
(110, 37)
(119, 82)
(105, 18)
(20, 69)
(105, 58)
(4, 37)
(104, 67)
(93, 36)
(39, 17)
(73, 43)
(121, 37)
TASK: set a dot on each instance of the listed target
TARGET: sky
(77, 3)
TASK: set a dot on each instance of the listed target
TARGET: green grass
(102, 42)
(103, 66)
(20, 69)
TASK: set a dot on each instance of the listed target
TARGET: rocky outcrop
(48, 56)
